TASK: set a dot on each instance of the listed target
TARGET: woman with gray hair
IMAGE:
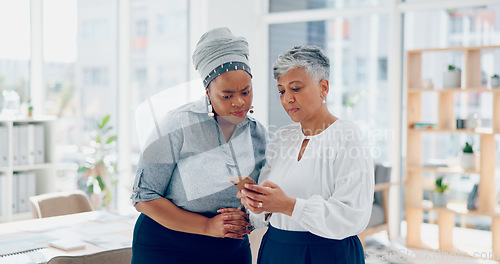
(182, 179)
(318, 178)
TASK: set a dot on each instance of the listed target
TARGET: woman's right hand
(230, 222)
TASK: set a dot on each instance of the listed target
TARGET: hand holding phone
(239, 182)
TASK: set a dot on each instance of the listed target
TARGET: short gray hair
(311, 58)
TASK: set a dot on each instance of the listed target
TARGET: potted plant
(467, 158)
(452, 77)
(97, 174)
(495, 81)
(439, 198)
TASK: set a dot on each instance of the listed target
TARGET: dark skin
(228, 223)
(270, 195)
(231, 98)
(301, 97)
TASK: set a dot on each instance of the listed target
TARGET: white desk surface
(98, 230)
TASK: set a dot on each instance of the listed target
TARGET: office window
(138, 26)
(358, 90)
(141, 28)
(382, 69)
(93, 30)
(297, 5)
(60, 50)
(93, 77)
(141, 77)
(473, 26)
(454, 27)
(161, 76)
(160, 24)
(15, 48)
(80, 67)
(159, 59)
(361, 70)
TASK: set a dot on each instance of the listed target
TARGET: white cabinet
(26, 164)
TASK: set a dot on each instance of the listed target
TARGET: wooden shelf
(445, 170)
(455, 90)
(446, 122)
(475, 48)
(383, 186)
(477, 131)
(454, 207)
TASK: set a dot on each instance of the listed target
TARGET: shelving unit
(414, 202)
(44, 171)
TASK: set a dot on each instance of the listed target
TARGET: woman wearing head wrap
(318, 179)
(183, 174)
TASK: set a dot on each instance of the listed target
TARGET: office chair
(380, 210)
(60, 203)
(115, 256)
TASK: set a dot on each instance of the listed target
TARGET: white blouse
(332, 183)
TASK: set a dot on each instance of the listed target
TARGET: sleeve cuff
(298, 209)
(138, 196)
(257, 220)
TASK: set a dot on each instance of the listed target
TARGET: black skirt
(282, 246)
(154, 243)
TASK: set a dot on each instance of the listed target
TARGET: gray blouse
(190, 163)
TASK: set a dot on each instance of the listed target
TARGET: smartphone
(239, 182)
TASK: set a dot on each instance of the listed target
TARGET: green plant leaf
(83, 169)
(468, 148)
(440, 187)
(106, 129)
(98, 138)
(104, 121)
(96, 167)
(111, 139)
(101, 183)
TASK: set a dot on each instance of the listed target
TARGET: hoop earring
(210, 109)
(251, 111)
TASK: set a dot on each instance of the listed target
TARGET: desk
(98, 230)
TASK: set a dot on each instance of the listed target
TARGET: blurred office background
(82, 59)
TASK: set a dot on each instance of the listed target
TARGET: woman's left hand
(268, 197)
(235, 222)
